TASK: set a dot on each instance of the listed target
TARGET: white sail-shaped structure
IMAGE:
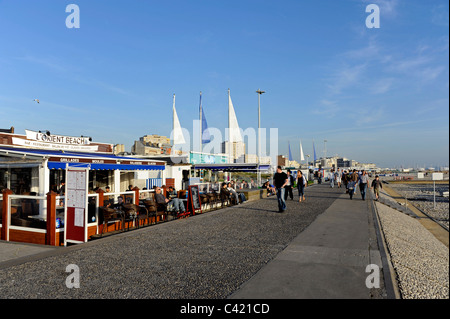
(178, 137)
(233, 125)
(234, 133)
(302, 156)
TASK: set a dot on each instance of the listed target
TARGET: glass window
(3, 179)
(25, 213)
(99, 179)
(57, 176)
(20, 180)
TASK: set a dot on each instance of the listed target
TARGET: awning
(122, 167)
(247, 167)
(19, 164)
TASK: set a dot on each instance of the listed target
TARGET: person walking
(331, 178)
(301, 184)
(352, 183)
(338, 178)
(289, 186)
(351, 188)
(363, 183)
(345, 180)
(376, 186)
(280, 179)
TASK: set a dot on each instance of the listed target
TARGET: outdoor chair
(161, 210)
(213, 199)
(224, 198)
(204, 200)
(150, 205)
(110, 215)
(131, 212)
(142, 215)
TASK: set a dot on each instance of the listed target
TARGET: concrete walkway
(316, 249)
(327, 260)
(12, 251)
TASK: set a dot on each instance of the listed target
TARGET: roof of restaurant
(59, 159)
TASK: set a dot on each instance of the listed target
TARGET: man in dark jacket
(289, 186)
(376, 186)
(280, 179)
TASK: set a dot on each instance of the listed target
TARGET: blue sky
(376, 95)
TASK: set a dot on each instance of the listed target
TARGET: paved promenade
(316, 249)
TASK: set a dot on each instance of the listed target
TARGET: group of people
(229, 192)
(352, 179)
(284, 183)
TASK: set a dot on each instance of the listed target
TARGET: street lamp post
(259, 134)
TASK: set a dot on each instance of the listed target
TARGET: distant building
(119, 149)
(342, 162)
(237, 152)
(152, 145)
(265, 160)
(282, 160)
(251, 158)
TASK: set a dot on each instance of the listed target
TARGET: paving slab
(327, 260)
(12, 250)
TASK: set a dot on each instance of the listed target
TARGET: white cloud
(382, 86)
(345, 77)
(327, 108)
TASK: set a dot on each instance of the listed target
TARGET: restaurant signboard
(55, 142)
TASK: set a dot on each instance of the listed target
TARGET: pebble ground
(422, 196)
(420, 260)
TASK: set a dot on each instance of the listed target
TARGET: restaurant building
(35, 164)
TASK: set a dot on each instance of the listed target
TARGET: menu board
(76, 205)
(194, 199)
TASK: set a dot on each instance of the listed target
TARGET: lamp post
(259, 134)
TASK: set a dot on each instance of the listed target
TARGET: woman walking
(352, 183)
(301, 184)
(363, 183)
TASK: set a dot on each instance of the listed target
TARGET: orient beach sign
(55, 142)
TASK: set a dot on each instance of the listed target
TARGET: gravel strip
(421, 196)
(420, 260)
(206, 256)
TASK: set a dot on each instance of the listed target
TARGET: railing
(24, 212)
(31, 213)
(113, 198)
(144, 194)
(208, 187)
